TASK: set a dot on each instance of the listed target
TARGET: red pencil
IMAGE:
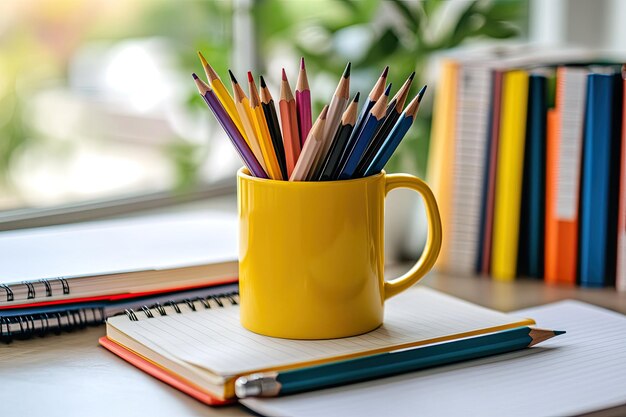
(291, 138)
(303, 103)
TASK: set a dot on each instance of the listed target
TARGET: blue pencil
(360, 141)
(396, 135)
(387, 364)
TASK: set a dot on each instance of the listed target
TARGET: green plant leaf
(498, 30)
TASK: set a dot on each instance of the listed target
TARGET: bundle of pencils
(343, 143)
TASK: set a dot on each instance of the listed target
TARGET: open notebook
(116, 259)
(201, 348)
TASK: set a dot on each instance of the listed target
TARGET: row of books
(528, 164)
(61, 278)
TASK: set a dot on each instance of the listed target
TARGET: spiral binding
(41, 324)
(32, 290)
(208, 302)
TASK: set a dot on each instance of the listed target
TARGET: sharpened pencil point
(558, 332)
(412, 75)
(324, 112)
(421, 93)
(356, 97)
(195, 77)
(262, 81)
(250, 77)
(385, 72)
(302, 63)
(202, 59)
(284, 75)
(232, 77)
(346, 72)
(387, 90)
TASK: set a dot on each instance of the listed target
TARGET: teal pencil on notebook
(273, 384)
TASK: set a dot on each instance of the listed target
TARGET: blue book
(598, 195)
(532, 219)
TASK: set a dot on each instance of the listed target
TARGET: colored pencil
(247, 119)
(289, 120)
(222, 94)
(341, 140)
(359, 144)
(303, 103)
(394, 109)
(335, 110)
(228, 125)
(396, 135)
(263, 132)
(374, 95)
(269, 110)
(311, 148)
(390, 363)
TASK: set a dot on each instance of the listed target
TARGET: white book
(117, 258)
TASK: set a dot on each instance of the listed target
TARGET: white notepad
(209, 347)
(581, 371)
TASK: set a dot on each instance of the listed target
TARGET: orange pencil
(289, 120)
(312, 147)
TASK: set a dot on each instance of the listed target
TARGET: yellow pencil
(247, 119)
(222, 94)
(263, 133)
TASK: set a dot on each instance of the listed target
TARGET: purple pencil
(303, 104)
(229, 127)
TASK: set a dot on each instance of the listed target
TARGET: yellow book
(509, 175)
(440, 172)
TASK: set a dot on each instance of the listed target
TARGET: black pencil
(340, 140)
(269, 110)
(394, 110)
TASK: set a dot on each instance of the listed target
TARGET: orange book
(563, 167)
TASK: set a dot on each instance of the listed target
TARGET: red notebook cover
(161, 374)
(116, 297)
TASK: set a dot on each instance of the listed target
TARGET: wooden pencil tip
(202, 59)
(387, 90)
(194, 75)
(302, 67)
(262, 81)
(558, 332)
(385, 72)
(250, 77)
(324, 112)
(346, 72)
(421, 93)
(412, 75)
(284, 75)
(232, 77)
(356, 97)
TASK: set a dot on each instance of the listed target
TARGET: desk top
(72, 375)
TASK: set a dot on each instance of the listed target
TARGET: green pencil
(273, 384)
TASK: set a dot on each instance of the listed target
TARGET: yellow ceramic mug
(312, 253)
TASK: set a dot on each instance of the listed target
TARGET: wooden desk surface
(71, 375)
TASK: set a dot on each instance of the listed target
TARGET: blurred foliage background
(39, 40)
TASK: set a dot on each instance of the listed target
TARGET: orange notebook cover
(564, 148)
(161, 374)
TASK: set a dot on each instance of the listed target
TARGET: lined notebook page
(581, 371)
(215, 340)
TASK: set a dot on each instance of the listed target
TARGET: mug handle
(433, 243)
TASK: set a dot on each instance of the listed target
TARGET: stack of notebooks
(59, 278)
(202, 349)
(527, 164)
